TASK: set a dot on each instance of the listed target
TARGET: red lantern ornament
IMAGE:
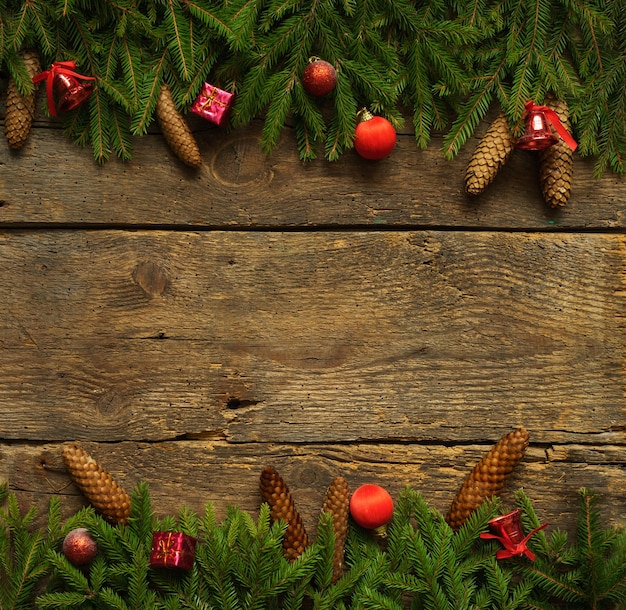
(371, 507)
(507, 529)
(79, 547)
(64, 84)
(374, 136)
(537, 134)
(319, 77)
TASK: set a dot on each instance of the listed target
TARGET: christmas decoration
(374, 136)
(275, 492)
(538, 135)
(213, 104)
(100, 488)
(240, 563)
(488, 477)
(492, 152)
(556, 164)
(175, 129)
(79, 546)
(20, 109)
(337, 503)
(507, 529)
(65, 84)
(371, 507)
(319, 77)
(445, 64)
(172, 550)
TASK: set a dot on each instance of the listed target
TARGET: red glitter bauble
(319, 77)
(79, 547)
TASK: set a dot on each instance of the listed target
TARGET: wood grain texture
(355, 318)
(193, 473)
(53, 181)
(287, 337)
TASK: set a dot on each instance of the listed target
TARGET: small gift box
(172, 550)
(213, 104)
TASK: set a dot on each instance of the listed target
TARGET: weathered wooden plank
(53, 181)
(193, 473)
(299, 337)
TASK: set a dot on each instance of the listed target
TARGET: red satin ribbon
(554, 119)
(510, 548)
(59, 67)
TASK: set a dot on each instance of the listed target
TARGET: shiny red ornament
(374, 136)
(79, 547)
(508, 530)
(537, 132)
(319, 77)
(65, 85)
(172, 550)
(371, 507)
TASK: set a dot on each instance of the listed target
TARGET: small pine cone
(275, 492)
(100, 488)
(488, 477)
(556, 163)
(492, 152)
(175, 129)
(20, 109)
(337, 503)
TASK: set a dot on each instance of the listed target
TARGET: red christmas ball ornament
(79, 547)
(374, 137)
(371, 507)
(319, 77)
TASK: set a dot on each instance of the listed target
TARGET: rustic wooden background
(357, 318)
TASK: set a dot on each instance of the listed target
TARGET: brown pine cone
(20, 109)
(492, 152)
(337, 503)
(488, 477)
(100, 488)
(175, 129)
(275, 492)
(556, 163)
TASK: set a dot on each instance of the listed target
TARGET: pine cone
(282, 508)
(175, 129)
(20, 109)
(488, 477)
(337, 503)
(492, 152)
(556, 163)
(100, 488)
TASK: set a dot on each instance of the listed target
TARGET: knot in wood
(151, 277)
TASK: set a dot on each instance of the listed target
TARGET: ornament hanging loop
(538, 134)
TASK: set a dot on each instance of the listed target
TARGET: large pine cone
(20, 109)
(275, 492)
(492, 152)
(556, 163)
(488, 477)
(175, 129)
(337, 503)
(99, 487)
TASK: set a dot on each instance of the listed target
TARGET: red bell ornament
(538, 134)
(507, 529)
(374, 136)
(65, 85)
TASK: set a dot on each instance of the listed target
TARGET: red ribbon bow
(511, 549)
(59, 67)
(554, 119)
